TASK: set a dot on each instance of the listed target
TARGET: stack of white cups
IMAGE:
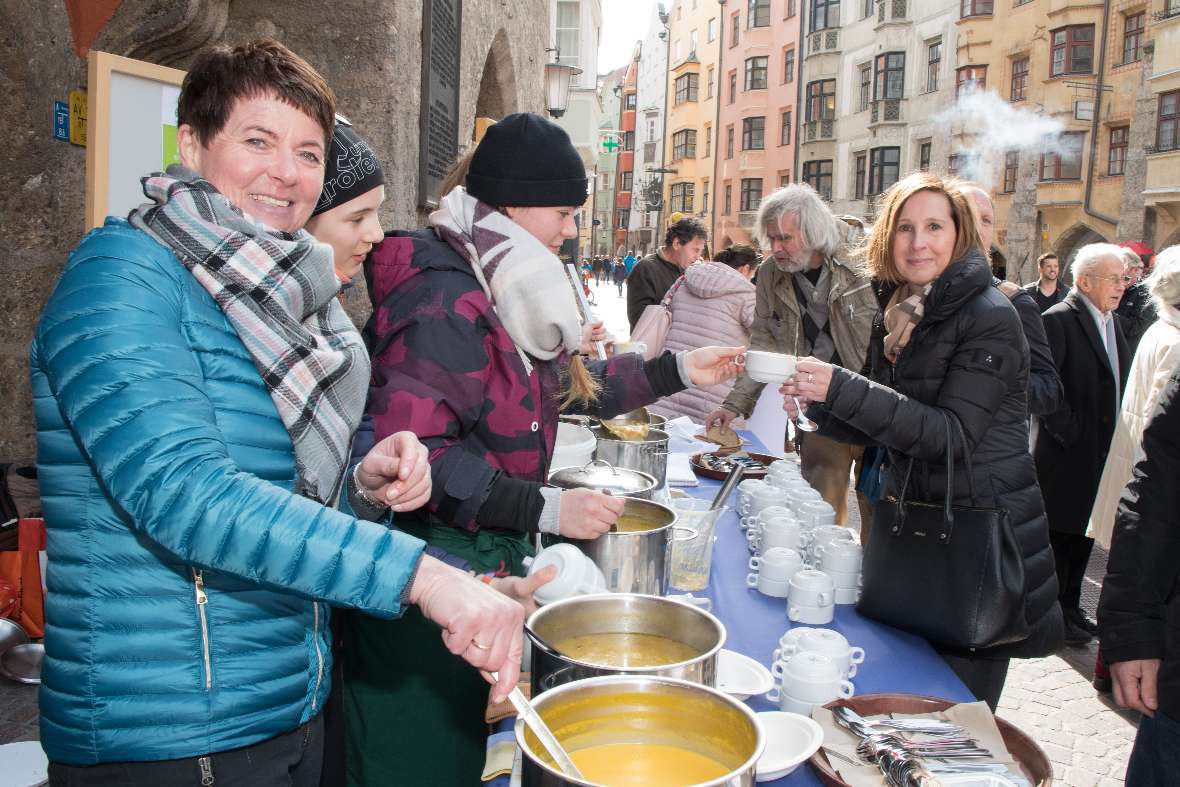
(776, 527)
(759, 499)
(745, 493)
(812, 667)
(773, 569)
(840, 560)
(811, 597)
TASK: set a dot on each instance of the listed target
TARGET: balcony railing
(816, 130)
(891, 11)
(823, 41)
(885, 110)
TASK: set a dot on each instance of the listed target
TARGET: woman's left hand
(397, 472)
(521, 589)
(592, 333)
(712, 365)
(812, 379)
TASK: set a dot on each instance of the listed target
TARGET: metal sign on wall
(438, 120)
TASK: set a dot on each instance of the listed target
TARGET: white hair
(970, 188)
(1164, 281)
(1091, 255)
(818, 228)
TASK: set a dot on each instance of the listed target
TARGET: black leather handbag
(951, 574)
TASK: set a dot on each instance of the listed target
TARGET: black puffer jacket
(967, 356)
(1139, 612)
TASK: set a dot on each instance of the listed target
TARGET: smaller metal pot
(601, 475)
(649, 455)
(633, 556)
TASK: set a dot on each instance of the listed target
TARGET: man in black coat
(1047, 291)
(1072, 442)
(1139, 612)
(649, 282)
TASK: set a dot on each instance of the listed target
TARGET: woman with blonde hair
(947, 348)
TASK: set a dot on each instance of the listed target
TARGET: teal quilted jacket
(188, 587)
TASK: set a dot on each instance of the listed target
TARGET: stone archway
(1066, 247)
(1173, 240)
(497, 84)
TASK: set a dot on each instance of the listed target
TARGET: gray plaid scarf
(813, 298)
(278, 290)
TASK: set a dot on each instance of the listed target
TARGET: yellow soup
(645, 765)
(626, 650)
(628, 430)
(629, 523)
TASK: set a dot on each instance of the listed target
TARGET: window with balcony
(1116, 159)
(756, 68)
(933, 64)
(1133, 37)
(866, 86)
(975, 8)
(970, 79)
(1064, 163)
(728, 199)
(889, 75)
(568, 31)
(708, 141)
(1019, 86)
(751, 193)
(1167, 124)
(709, 82)
(821, 100)
(758, 13)
(681, 198)
(729, 142)
(629, 101)
(1072, 50)
(789, 65)
(732, 86)
(884, 169)
(735, 28)
(858, 176)
(784, 137)
(754, 133)
(825, 14)
(626, 180)
(818, 175)
(711, 30)
(1011, 164)
(686, 88)
(684, 144)
(924, 156)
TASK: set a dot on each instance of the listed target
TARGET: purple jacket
(445, 368)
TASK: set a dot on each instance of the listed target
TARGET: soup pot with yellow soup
(622, 633)
(643, 731)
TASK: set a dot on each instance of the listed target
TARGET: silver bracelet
(363, 493)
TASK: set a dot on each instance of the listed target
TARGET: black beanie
(351, 168)
(526, 161)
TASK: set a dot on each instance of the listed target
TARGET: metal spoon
(533, 720)
(804, 423)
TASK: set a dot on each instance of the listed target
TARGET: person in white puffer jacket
(712, 302)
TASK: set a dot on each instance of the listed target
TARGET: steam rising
(994, 127)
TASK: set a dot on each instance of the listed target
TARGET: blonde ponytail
(581, 387)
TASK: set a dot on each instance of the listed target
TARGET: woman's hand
(593, 332)
(810, 383)
(721, 418)
(521, 589)
(712, 365)
(482, 626)
(396, 471)
(588, 513)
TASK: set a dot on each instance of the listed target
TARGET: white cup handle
(776, 670)
(852, 670)
(755, 563)
(824, 599)
(793, 613)
(857, 654)
(846, 689)
(775, 694)
(775, 657)
(752, 580)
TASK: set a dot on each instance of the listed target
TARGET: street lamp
(557, 84)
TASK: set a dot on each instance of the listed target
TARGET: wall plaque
(438, 122)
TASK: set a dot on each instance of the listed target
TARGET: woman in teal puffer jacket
(196, 386)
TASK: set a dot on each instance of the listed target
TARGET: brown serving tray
(1028, 755)
(719, 475)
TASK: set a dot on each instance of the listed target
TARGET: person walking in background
(629, 261)
(713, 304)
(1073, 441)
(809, 301)
(648, 283)
(619, 274)
(1140, 606)
(1047, 290)
(1136, 310)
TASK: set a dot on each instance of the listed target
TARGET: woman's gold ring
(810, 377)
(478, 646)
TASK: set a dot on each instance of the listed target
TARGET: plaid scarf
(813, 300)
(527, 287)
(902, 315)
(278, 290)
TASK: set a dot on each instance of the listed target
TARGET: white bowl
(790, 740)
(768, 367)
(740, 676)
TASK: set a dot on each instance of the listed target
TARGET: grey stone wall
(369, 51)
(1024, 233)
(1132, 215)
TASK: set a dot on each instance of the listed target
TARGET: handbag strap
(667, 301)
(948, 517)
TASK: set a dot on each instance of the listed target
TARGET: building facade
(757, 111)
(694, 35)
(651, 102)
(625, 165)
(610, 88)
(1158, 135)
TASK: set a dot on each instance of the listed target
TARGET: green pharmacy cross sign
(611, 143)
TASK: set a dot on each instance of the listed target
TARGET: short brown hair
(879, 253)
(221, 76)
(1046, 256)
(685, 231)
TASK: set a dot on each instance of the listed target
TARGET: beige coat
(1156, 359)
(778, 322)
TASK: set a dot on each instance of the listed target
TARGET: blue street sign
(61, 120)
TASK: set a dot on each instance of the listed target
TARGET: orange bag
(22, 569)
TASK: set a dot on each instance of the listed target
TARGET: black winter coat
(1139, 610)
(967, 356)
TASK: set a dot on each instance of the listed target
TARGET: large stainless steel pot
(635, 558)
(601, 475)
(618, 613)
(636, 709)
(649, 455)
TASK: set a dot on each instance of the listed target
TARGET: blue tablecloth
(894, 660)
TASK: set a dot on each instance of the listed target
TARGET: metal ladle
(533, 720)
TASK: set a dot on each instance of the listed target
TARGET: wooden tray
(719, 475)
(1033, 762)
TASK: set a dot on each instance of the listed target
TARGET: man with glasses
(1072, 443)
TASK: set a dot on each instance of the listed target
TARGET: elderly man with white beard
(810, 301)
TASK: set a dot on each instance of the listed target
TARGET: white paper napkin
(680, 471)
